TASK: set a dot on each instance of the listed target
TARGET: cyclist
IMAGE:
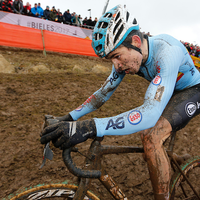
(171, 100)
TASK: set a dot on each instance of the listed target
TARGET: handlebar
(77, 171)
(50, 120)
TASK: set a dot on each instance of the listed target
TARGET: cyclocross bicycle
(185, 182)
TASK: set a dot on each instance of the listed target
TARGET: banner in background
(23, 37)
(37, 23)
(196, 61)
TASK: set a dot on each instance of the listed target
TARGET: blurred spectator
(18, 7)
(149, 34)
(27, 9)
(40, 10)
(6, 6)
(46, 13)
(53, 15)
(68, 17)
(89, 22)
(85, 21)
(197, 54)
(61, 19)
(74, 18)
(35, 11)
(94, 22)
(188, 47)
(53, 7)
(193, 50)
(80, 20)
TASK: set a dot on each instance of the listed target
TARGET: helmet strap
(128, 45)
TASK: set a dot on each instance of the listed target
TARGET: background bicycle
(25, 98)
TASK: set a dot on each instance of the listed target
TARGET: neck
(145, 51)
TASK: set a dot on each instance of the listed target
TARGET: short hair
(131, 34)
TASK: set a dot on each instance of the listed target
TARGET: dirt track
(25, 99)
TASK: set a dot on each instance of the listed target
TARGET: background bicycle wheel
(55, 85)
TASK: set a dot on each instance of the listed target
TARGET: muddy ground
(25, 99)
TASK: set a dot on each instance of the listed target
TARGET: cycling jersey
(169, 68)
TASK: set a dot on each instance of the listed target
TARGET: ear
(136, 41)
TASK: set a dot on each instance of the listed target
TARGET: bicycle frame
(94, 169)
(93, 162)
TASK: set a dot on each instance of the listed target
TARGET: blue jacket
(40, 11)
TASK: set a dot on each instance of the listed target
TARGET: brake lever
(48, 154)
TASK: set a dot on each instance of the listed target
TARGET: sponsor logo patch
(190, 109)
(158, 67)
(198, 105)
(157, 80)
(135, 117)
(79, 108)
(118, 124)
(159, 93)
(114, 78)
(89, 99)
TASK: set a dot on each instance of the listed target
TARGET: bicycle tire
(191, 169)
(52, 191)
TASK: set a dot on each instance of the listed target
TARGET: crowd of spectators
(193, 50)
(53, 14)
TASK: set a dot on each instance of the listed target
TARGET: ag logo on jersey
(135, 117)
(190, 109)
(157, 80)
(118, 124)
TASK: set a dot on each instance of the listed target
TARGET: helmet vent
(118, 23)
(99, 25)
(108, 15)
(107, 43)
(134, 21)
(117, 17)
(99, 47)
(98, 36)
(103, 25)
(127, 16)
(118, 33)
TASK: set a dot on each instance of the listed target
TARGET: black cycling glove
(66, 134)
(67, 117)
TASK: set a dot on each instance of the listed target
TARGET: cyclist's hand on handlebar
(50, 120)
(66, 134)
(67, 117)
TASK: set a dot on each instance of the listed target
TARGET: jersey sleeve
(157, 96)
(98, 98)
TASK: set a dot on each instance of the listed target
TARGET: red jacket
(7, 6)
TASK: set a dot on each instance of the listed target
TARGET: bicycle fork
(93, 162)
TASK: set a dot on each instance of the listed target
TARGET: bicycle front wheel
(54, 192)
(180, 188)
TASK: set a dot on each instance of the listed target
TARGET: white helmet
(112, 29)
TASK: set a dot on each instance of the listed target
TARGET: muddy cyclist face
(125, 59)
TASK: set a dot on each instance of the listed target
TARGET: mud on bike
(185, 181)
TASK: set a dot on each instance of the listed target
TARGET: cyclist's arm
(100, 96)
(157, 96)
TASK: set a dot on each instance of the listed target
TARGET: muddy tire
(179, 188)
(54, 191)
